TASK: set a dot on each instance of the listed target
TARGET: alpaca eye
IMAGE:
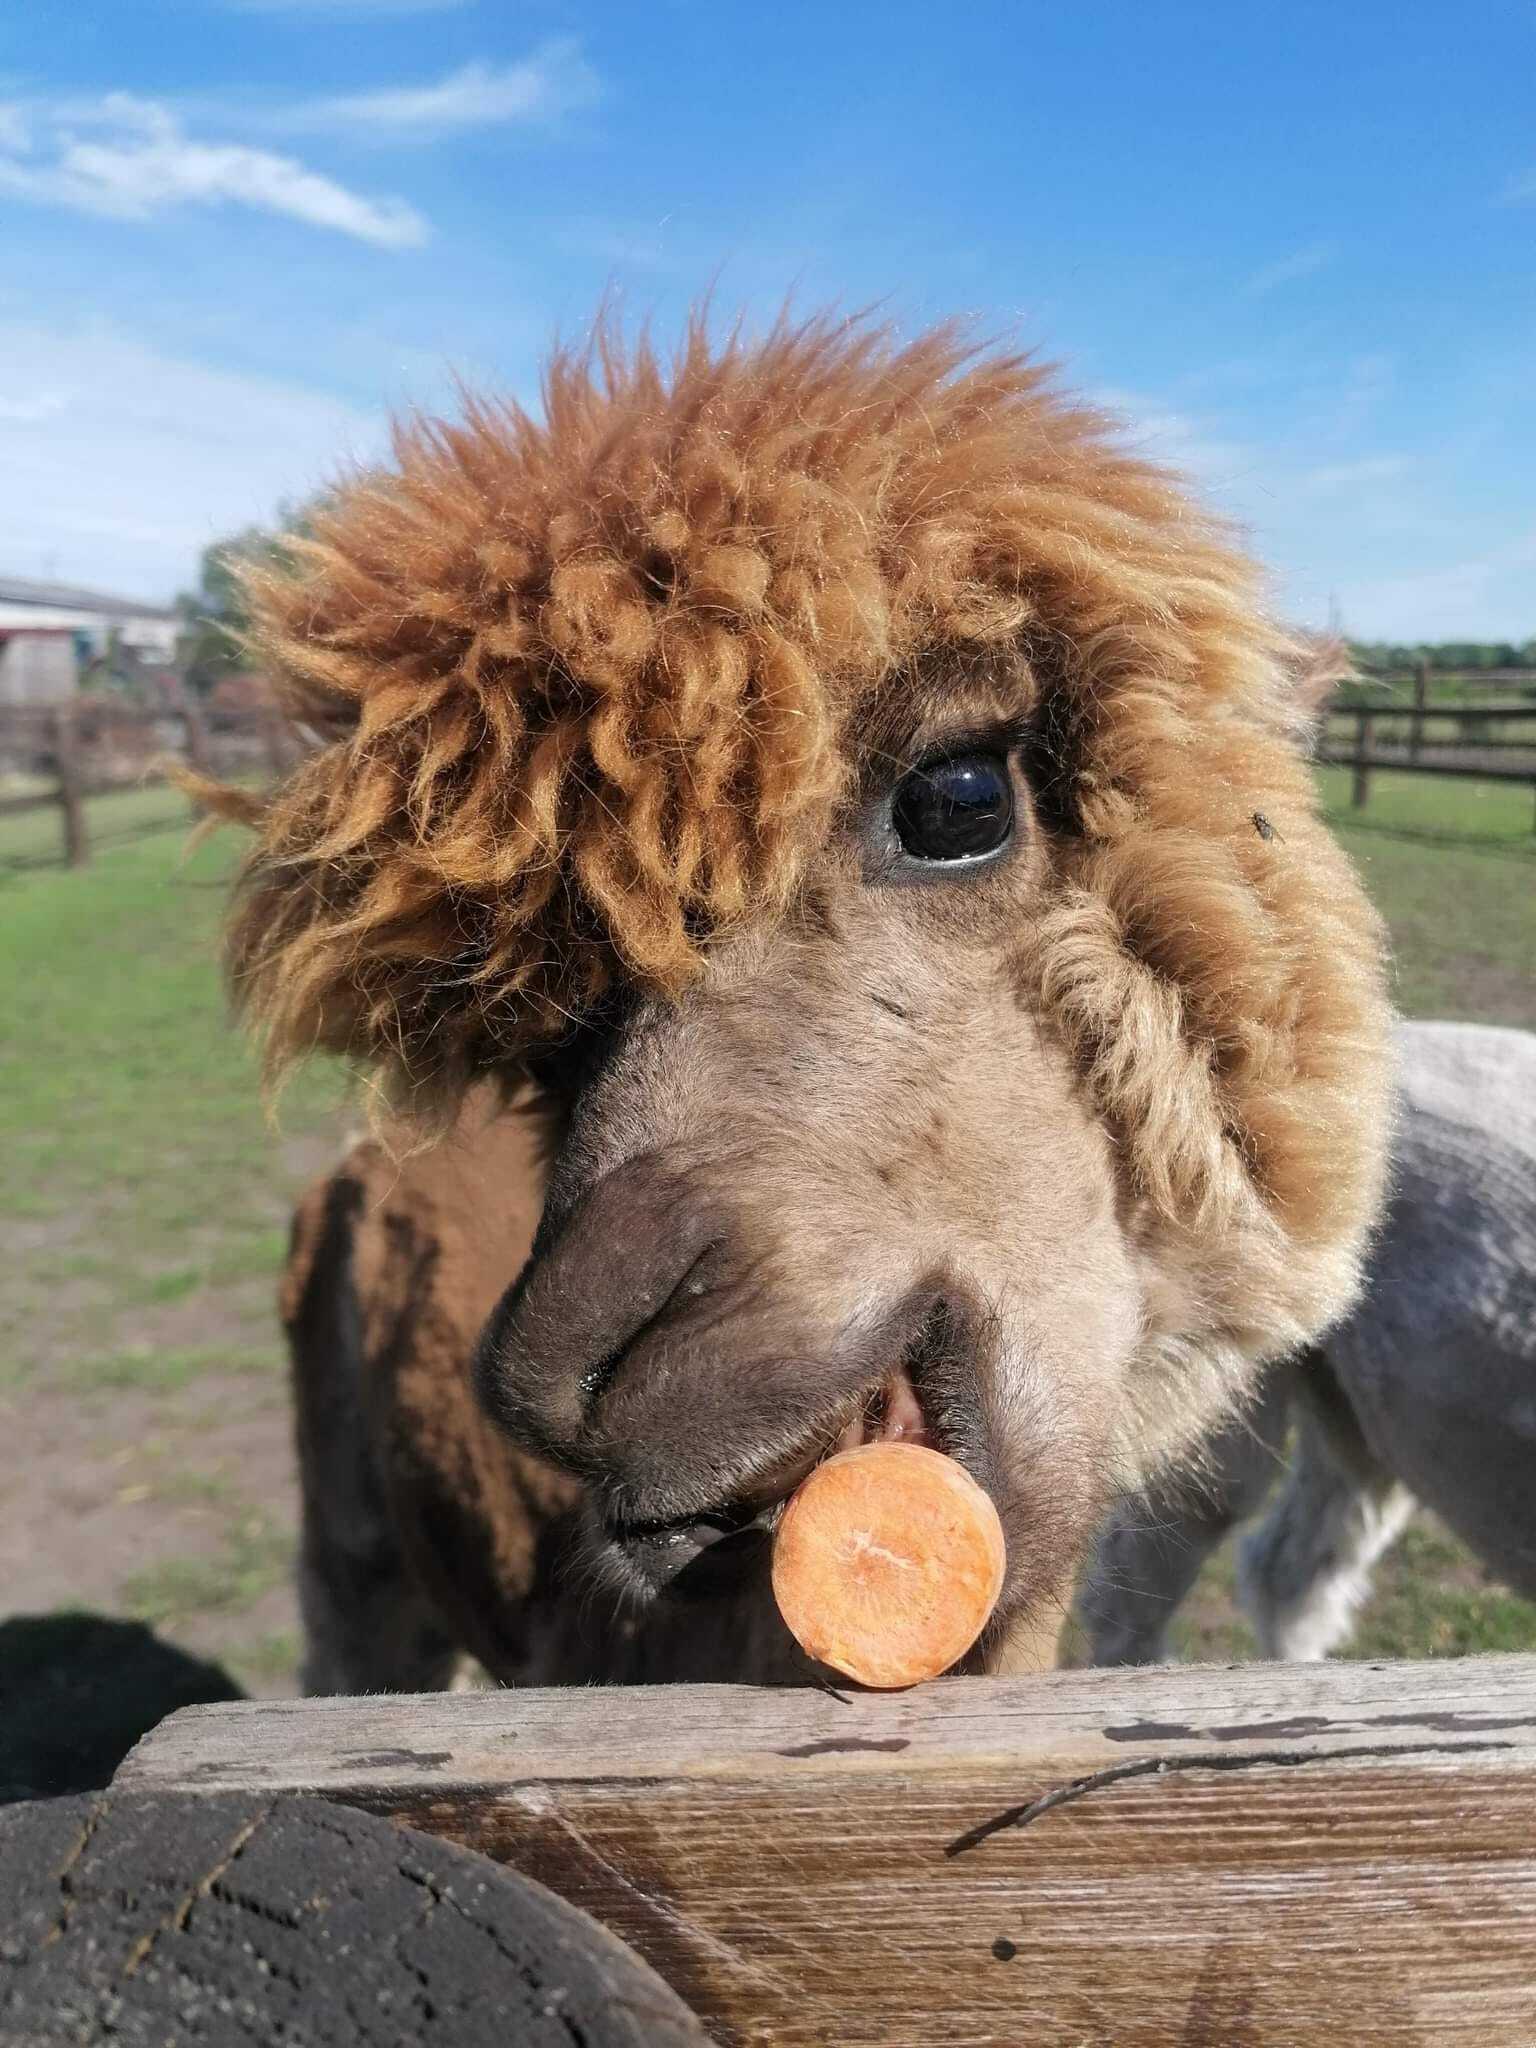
(955, 809)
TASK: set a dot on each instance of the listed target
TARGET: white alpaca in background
(1426, 1394)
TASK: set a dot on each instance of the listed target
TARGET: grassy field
(145, 1467)
(144, 1462)
(1453, 867)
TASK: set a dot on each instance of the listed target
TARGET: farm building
(48, 629)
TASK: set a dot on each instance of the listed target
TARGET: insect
(1263, 827)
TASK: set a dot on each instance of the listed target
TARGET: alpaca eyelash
(1007, 738)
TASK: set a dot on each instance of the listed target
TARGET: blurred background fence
(57, 760)
(1479, 725)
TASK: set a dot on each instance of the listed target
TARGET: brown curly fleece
(591, 686)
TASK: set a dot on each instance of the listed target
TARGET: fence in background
(62, 755)
(1477, 725)
(1480, 725)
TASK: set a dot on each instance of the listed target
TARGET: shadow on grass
(78, 1690)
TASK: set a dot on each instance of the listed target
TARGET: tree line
(1379, 657)
(214, 616)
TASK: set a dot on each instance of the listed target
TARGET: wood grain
(1341, 1853)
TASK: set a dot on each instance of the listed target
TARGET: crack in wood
(396, 1759)
(689, 1932)
(67, 1868)
(176, 1920)
(1447, 1723)
(848, 1746)
(1031, 1810)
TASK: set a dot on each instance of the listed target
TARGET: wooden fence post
(77, 848)
(279, 754)
(197, 735)
(1420, 699)
(1365, 724)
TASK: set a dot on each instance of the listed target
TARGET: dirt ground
(157, 1481)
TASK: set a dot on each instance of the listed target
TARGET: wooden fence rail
(79, 750)
(1486, 757)
(1335, 1853)
(63, 746)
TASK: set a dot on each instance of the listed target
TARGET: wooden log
(1340, 1853)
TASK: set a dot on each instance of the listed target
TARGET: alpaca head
(826, 773)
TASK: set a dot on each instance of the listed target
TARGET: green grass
(135, 1144)
(187, 1487)
(1443, 810)
(38, 835)
(265, 1661)
(175, 1285)
(145, 1200)
(1452, 866)
(1428, 1593)
(166, 1369)
(1429, 1598)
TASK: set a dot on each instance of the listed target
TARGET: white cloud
(1290, 269)
(1308, 523)
(1162, 433)
(31, 410)
(122, 463)
(130, 159)
(554, 80)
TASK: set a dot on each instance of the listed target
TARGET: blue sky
(1293, 245)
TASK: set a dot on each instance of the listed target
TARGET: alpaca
(1427, 1393)
(781, 835)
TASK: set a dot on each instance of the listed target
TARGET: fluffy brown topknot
(587, 687)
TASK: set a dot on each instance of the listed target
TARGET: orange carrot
(887, 1563)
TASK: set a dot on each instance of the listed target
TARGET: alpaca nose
(682, 1349)
(634, 1251)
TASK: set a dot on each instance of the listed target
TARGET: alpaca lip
(891, 1412)
(704, 1555)
(669, 1555)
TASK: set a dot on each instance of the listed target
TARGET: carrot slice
(887, 1563)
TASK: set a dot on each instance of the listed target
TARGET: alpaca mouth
(716, 1549)
(893, 1413)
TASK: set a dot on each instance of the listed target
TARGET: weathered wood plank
(1267, 1854)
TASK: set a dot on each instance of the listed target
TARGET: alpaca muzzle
(662, 1347)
